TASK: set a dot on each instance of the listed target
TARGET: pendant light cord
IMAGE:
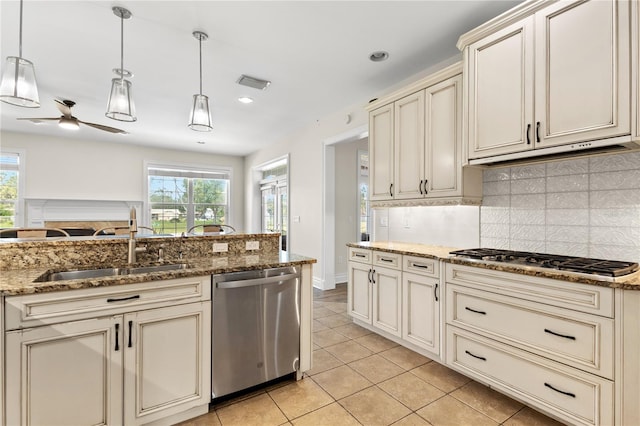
(20, 42)
(200, 44)
(121, 46)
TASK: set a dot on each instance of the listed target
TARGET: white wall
(58, 168)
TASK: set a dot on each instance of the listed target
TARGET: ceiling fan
(68, 121)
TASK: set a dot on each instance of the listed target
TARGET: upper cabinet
(548, 74)
(415, 145)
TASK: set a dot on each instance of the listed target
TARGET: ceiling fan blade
(105, 128)
(39, 120)
(64, 108)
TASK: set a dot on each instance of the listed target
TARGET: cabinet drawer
(580, 340)
(580, 297)
(421, 266)
(387, 260)
(575, 396)
(49, 308)
(360, 255)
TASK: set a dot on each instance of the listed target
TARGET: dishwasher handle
(255, 281)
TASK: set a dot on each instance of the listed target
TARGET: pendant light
(120, 106)
(18, 86)
(200, 119)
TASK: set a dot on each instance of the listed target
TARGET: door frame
(256, 174)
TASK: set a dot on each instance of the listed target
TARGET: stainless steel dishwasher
(256, 328)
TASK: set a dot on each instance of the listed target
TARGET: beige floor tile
(376, 342)
(412, 391)
(342, 381)
(326, 338)
(337, 307)
(529, 417)
(405, 358)
(330, 415)
(374, 407)
(352, 331)
(448, 411)
(375, 368)
(335, 320)
(322, 312)
(412, 420)
(489, 402)
(440, 376)
(301, 397)
(317, 305)
(259, 410)
(209, 419)
(316, 347)
(348, 351)
(318, 326)
(323, 361)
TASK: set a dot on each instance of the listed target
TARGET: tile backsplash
(582, 207)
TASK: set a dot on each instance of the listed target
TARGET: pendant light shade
(200, 118)
(18, 86)
(120, 106)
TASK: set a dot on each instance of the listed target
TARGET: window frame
(186, 167)
(22, 177)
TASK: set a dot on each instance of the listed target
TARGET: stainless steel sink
(107, 272)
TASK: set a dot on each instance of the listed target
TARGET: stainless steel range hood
(595, 147)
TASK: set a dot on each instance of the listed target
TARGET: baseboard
(321, 284)
(341, 278)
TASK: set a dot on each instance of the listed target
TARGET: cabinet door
(65, 374)
(381, 153)
(443, 142)
(582, 71)
(421, 312)
(166, 370)
(409, 146)
(387, 300)
(500, 85)
(359, 291)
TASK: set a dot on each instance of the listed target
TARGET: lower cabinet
(131, 368)
(421, 312)
(387, 300)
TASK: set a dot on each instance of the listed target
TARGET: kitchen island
(562, 342)
(133, 347)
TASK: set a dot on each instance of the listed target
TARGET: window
(9, 189)
(364, 210)
(180, 198)
(274, 189)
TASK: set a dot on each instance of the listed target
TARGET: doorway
(274, 194)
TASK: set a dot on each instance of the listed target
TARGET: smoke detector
(256, 83)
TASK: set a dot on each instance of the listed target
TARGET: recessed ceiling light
(245, 100)
(379, 56)
(200, 142)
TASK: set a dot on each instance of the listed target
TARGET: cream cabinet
(548, 74)
(133, 363)
(421, 303)
(415, 144)
(359, 289)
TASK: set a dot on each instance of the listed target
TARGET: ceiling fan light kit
(18, 86)
(121, 106)
(200, 117)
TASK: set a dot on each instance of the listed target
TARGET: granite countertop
(21, 281)
(630, 282)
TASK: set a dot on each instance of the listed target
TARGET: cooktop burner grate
(611, 268)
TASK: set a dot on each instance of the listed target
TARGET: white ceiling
(314, 52)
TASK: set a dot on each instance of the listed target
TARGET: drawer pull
(360, 255)
(117, 348)
(476, 356)
(130, 329)
(418, 265)
(572, 395)
(122, 299)
(384, 259)
(559, 335)
(474, 311)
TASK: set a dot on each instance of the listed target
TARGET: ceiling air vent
(256, 83)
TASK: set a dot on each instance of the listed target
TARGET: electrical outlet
(220, 247)
(252, 245)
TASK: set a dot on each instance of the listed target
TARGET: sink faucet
(133, 229)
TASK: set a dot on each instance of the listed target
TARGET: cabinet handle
(474, 311)
(130, 345)
(373, 276)
(529, 134)
(572, 395)
(559, 335)
(384, 259)
(425, 186)
(117, 337)
(122, 299)
(420, 186)
(390, 190)
(369, 275)
(360, 255)
(435, 292)
(417, 265)
(537, 131)
(476, 356)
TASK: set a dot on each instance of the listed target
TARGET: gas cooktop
(585, 265)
